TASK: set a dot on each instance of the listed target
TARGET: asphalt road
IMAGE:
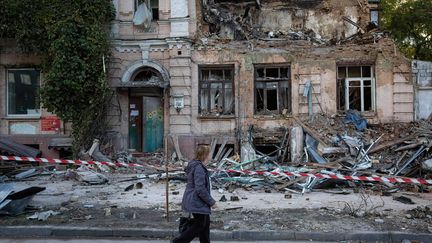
(94, 240)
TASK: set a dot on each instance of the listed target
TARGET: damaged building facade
(186, 73)
(205, 72)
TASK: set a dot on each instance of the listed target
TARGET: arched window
(148, 76)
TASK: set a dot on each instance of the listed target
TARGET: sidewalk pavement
(62, 231)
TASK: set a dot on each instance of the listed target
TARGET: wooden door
(152, 124)
(135, 123)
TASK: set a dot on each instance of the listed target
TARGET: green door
(135, 123)
(152, 124)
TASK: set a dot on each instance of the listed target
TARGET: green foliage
(72, 37)
(410, 23)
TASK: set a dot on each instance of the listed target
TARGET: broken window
(22, 91)
(216, 90)
(272, 90)
(374, 16)
(152, 5)
(356, 88)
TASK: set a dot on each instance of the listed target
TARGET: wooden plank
(390, 143)
(213, 146)
(284, 145)
(223, 152)
(296, 144)
(221, 148)
(227, 153)
(174, 139)
(311, 132)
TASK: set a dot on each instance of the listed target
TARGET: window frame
(35, 115)
(136, 4)
(346, 82)
(279, 80)
(378, 13)
(201, 82)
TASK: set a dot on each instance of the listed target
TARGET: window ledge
(12, 117)
(221, 117)
(366, 114)
(369, 114)
(272, 117)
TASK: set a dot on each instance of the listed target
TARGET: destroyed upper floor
(318, 21)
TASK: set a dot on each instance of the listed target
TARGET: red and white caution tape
(336, 176)
(247, 172)
(67, 161)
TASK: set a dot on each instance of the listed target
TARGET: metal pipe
(414, 157)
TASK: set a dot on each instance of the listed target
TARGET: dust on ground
(109, 205)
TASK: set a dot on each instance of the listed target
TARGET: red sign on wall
(50, 123)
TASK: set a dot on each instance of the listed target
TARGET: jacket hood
(191, 165)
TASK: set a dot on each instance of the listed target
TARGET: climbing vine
(72, 37)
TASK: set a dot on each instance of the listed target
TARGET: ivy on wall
(72, 37)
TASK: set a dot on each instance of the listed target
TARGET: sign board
(50, 123)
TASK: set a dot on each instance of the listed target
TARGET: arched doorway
(146, 85)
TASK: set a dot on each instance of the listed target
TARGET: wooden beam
(390, 143)
(311, 132)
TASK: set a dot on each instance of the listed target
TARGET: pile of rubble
(333, 146)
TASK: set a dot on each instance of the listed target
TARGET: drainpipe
(237, 116)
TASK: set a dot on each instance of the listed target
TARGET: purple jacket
(197, 198)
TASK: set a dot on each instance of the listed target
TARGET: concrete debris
(421, 212)
(404, 199)
(42, 216)
(138, 185)
(283, 20)
(318, 144)
(340, 148)
(26, 174)
(427, 165)
(84, 174)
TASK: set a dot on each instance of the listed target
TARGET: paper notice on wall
(134, 113)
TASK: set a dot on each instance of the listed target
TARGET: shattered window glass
(216, 91)
(151, 4)
(374, 16)
(148, 77)
(22, 92)
(355, 88)
(272, 90)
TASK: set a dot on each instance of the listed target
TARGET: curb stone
(61, 231)
(368, 236)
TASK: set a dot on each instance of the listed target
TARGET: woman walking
(197, 199)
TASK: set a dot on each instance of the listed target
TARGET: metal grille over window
(272, 90)
(356, 88)
(216, 91)
(22, 92)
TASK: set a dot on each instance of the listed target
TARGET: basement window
(22, 92)
(356, 88)
(272, 90)
(374, 16)
(216, 90)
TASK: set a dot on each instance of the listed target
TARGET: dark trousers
(200, 228)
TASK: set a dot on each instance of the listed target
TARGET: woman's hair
(202, 152)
